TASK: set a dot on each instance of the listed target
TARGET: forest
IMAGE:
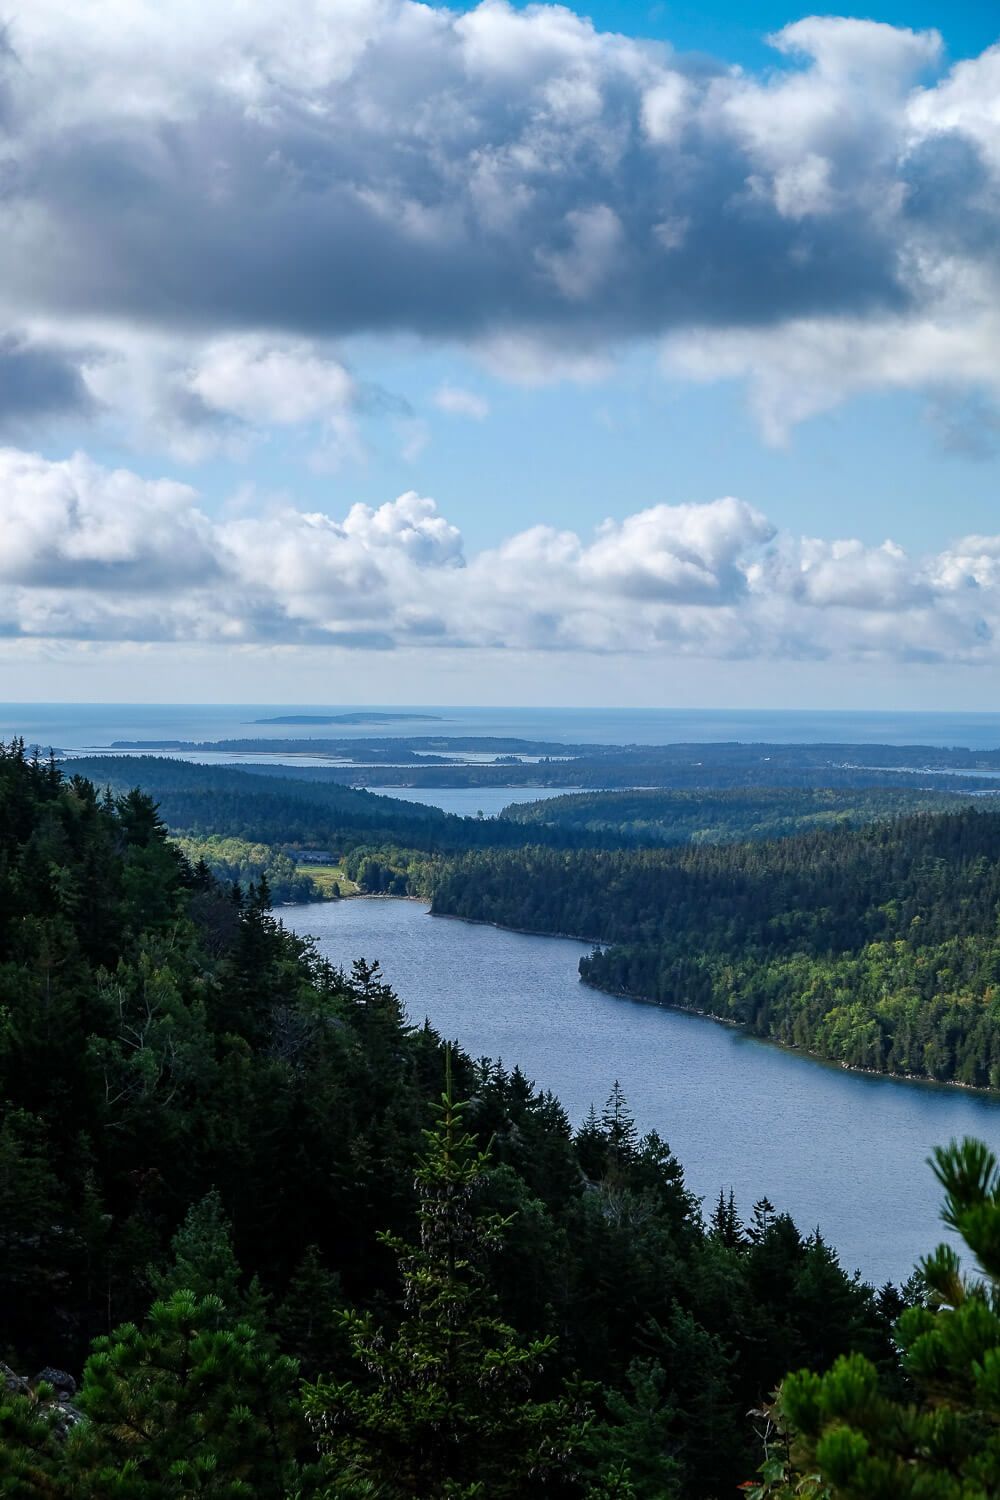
(442, 761)
(262, 1237)
(240, 862)
(876, 947)
(306, 807)
(222, 1163)
(858, 924)
(651, 816)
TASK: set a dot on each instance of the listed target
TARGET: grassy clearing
(326, 877)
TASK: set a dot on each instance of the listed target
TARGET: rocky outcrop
(51, 1391)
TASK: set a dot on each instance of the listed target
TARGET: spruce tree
(449, 1409)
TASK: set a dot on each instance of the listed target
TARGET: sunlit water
(842, 1150)
(470, 801)
(78, 726)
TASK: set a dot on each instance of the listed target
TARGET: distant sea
(89, 726)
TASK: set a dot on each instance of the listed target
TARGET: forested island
(498, 761)
(365, 717)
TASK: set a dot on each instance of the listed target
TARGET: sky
(371, 351)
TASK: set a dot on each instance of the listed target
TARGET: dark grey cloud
(38, 382)
(441, 178)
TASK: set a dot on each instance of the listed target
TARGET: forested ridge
(710, 815)
(261, 1237)
(304, 806)
(205, 1131)
(876, 947)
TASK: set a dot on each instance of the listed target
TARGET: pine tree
(942, 1443)
(450, 1412)
(763, 1217)
(187, 1405)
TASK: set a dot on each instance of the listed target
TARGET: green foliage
(191, 1100)
(203, 1262)
(240, 861)
(855, 1437)
(876, 947)
(186, 1406)
(451, 1412)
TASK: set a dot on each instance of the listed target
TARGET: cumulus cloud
(257, 381)
(196, 399)
(255, 179)
(73, 525)
(461, 403)
(95, 554)
(37, 381)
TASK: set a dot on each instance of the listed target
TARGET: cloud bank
(95, 554)
(511, 180)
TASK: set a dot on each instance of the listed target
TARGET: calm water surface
(79, 726)
(837, 1149)
(470, 801)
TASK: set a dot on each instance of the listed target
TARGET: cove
(839, 1150)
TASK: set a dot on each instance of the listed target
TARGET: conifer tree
(620, 1130)
(450, 1412)
(204, 1262)
(724, 1225)
(188, 1405)
(843, 1436)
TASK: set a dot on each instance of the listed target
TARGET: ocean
(90, 726)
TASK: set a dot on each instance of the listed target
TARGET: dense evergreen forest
(440, 761)
(303, 807)
(877, 947)
(235, 1207)
(651, 816)
(260, 1237)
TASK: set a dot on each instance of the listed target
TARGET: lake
(840, 1150)
(470, 801)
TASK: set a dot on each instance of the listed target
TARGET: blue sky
(738, 32)
(502, 353)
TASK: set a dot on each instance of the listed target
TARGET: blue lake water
(470, 801)
(86, 725)
(840, 1150)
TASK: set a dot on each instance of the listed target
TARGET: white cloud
(74, 524)
(461, 403)
(260, 382)
(810, 365)
(236, 184)
(195, 400)
(104, 555)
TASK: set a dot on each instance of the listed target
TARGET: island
(355, 718)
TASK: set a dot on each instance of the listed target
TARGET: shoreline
(452, 916)
(688, 1010)
(807, 1052)
(740, 1026)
